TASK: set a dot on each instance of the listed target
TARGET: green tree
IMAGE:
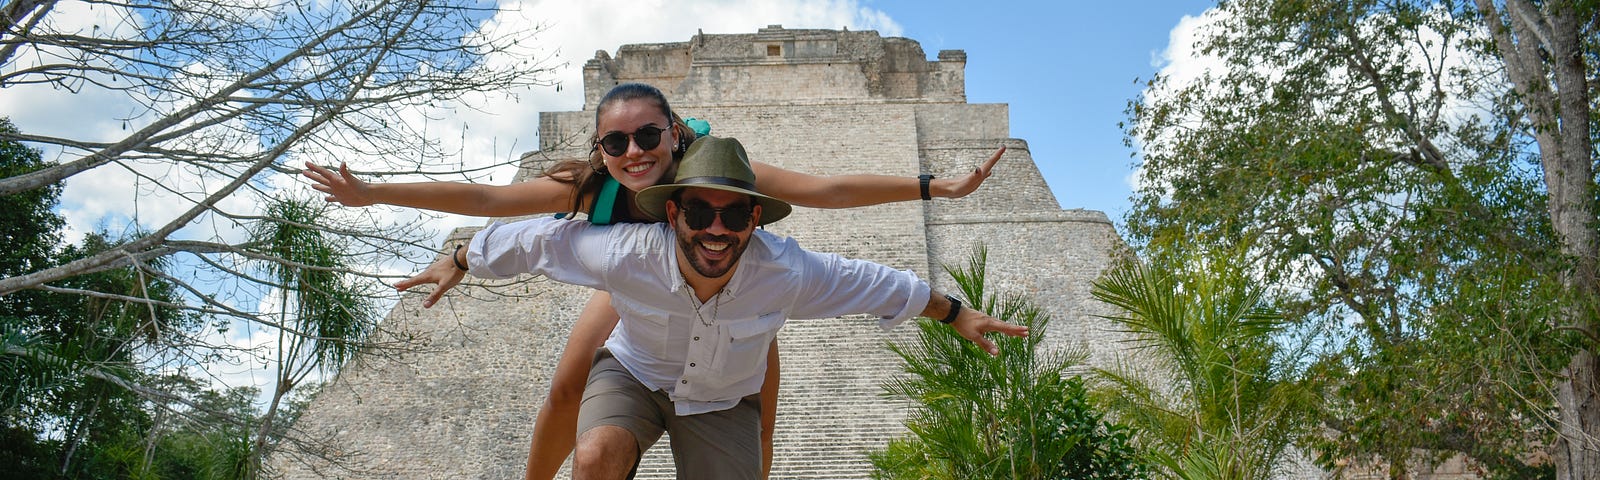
(329, 315)
(1016, 416)
(77, 380)
(1224, 402)
(27, 224)
(1422, 176)
(81, 393)
(61, 404)
(211, 440)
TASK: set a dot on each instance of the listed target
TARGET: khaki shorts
(725, 444)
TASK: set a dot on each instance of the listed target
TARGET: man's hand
(972, 324)
(442, 272)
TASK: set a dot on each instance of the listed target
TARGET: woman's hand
(966, 184)
(343, 187)
(442, 272)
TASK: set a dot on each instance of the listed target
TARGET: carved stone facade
(817, 101)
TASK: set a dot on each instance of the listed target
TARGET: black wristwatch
(955, 309)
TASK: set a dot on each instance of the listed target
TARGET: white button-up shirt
(705, 362)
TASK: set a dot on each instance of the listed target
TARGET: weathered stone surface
(817, 101)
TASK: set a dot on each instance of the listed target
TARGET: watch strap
(955, 309)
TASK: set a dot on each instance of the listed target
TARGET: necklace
(716, 304)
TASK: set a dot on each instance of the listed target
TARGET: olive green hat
(716, 163)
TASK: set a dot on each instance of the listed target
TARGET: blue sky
(1067, 70)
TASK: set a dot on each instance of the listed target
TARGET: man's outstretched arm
(565, 251)
(444, 273)
(833, 285)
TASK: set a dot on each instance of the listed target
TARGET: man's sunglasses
(616, 143)
(699, 217)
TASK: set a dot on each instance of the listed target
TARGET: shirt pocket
(742, 347)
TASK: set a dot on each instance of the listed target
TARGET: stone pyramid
(816, 101)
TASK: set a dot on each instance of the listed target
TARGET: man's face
(714, 249)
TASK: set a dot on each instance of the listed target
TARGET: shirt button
(696, 339)
(685, 382)
(691, 364)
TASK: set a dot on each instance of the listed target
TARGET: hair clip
(701, 127)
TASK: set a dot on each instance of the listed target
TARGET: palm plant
(330, 316)
(1224, 403)
(1016, 416)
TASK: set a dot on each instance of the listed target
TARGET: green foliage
(64, 418)
(210, 443)
(1226, 405)
(311, 263)
(27, 225)
(56, 419)
(61, 415)
(330, 315)
(1016, 416)
(1378, 154)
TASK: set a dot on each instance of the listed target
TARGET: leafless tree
(228, 96)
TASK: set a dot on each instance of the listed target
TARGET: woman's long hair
(588, 176)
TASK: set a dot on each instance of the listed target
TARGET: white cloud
(1181, 64)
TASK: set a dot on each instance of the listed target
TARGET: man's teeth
(715, 246)
(637, 168)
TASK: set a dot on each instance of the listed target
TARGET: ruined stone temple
(816, 101)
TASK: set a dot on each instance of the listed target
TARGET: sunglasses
(736, 218)
(616, 143)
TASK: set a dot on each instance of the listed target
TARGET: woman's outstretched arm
(539, 195)
(845, 191)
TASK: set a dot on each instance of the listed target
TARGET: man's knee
(605, 451)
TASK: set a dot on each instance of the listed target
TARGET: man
(700, 298)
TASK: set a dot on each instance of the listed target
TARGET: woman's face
(625, 121)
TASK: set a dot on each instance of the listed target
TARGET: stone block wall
(782, 66)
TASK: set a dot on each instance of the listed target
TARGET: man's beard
(691, 246)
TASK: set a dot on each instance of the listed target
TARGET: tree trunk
(1555, 91)
(1577, 454)
(76, 434)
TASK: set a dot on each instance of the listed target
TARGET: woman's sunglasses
(734, 218)
(616, 143)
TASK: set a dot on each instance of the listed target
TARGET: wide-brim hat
(716, 163)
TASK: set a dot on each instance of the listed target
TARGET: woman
(637, 142)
